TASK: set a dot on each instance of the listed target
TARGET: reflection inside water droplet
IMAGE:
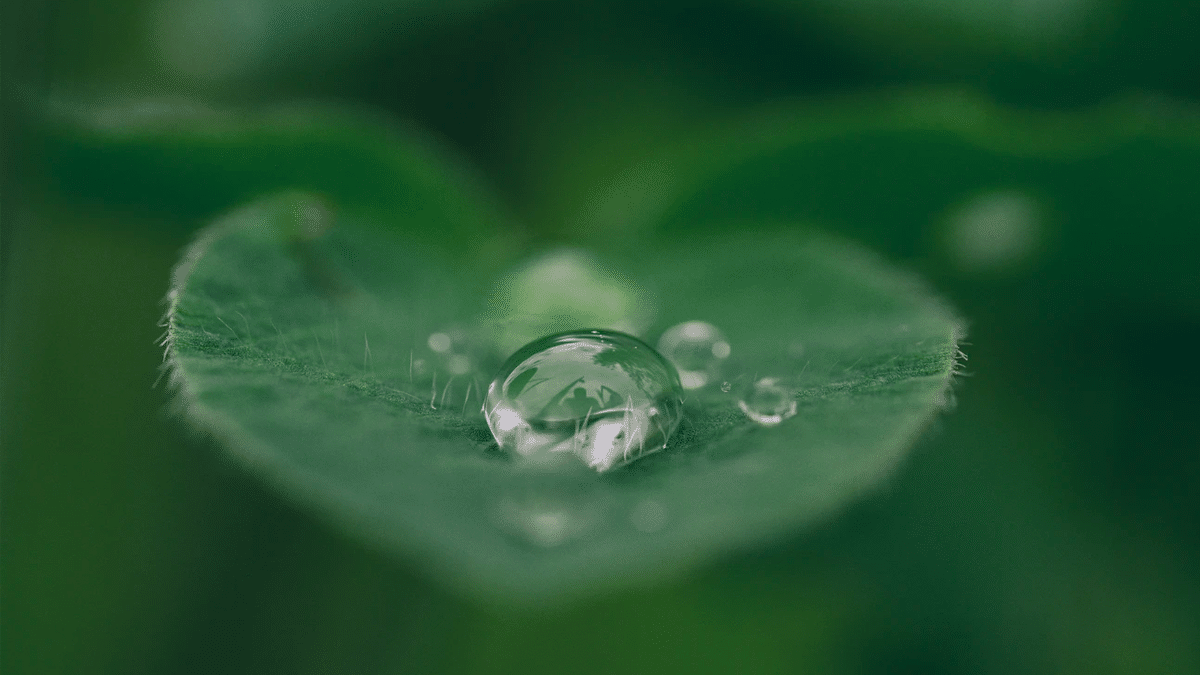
(697, 348)
(604, 397)
(768, 402)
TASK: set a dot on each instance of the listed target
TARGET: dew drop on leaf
(603, 397)
(768, 402)
(697, 348)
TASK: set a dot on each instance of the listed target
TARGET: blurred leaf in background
(1047, 526)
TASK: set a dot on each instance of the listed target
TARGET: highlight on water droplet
(697, 348)
(604, 397)
(768, 402)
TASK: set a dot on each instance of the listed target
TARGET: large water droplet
(602, 396)
(768, 402)
(697, 348)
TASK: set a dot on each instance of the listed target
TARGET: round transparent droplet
(697, 348)
(603, 397)
(768, 402)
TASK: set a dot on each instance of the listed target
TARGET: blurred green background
(1045, 525)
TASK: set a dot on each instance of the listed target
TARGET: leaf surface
(307, 352)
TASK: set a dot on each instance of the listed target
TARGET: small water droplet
(726, 386)
(697, 348)
(604, 397)
(768, 402)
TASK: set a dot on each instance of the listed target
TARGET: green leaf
(193, 161)
(310, 357)
(1103, 189)
(218, 40)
